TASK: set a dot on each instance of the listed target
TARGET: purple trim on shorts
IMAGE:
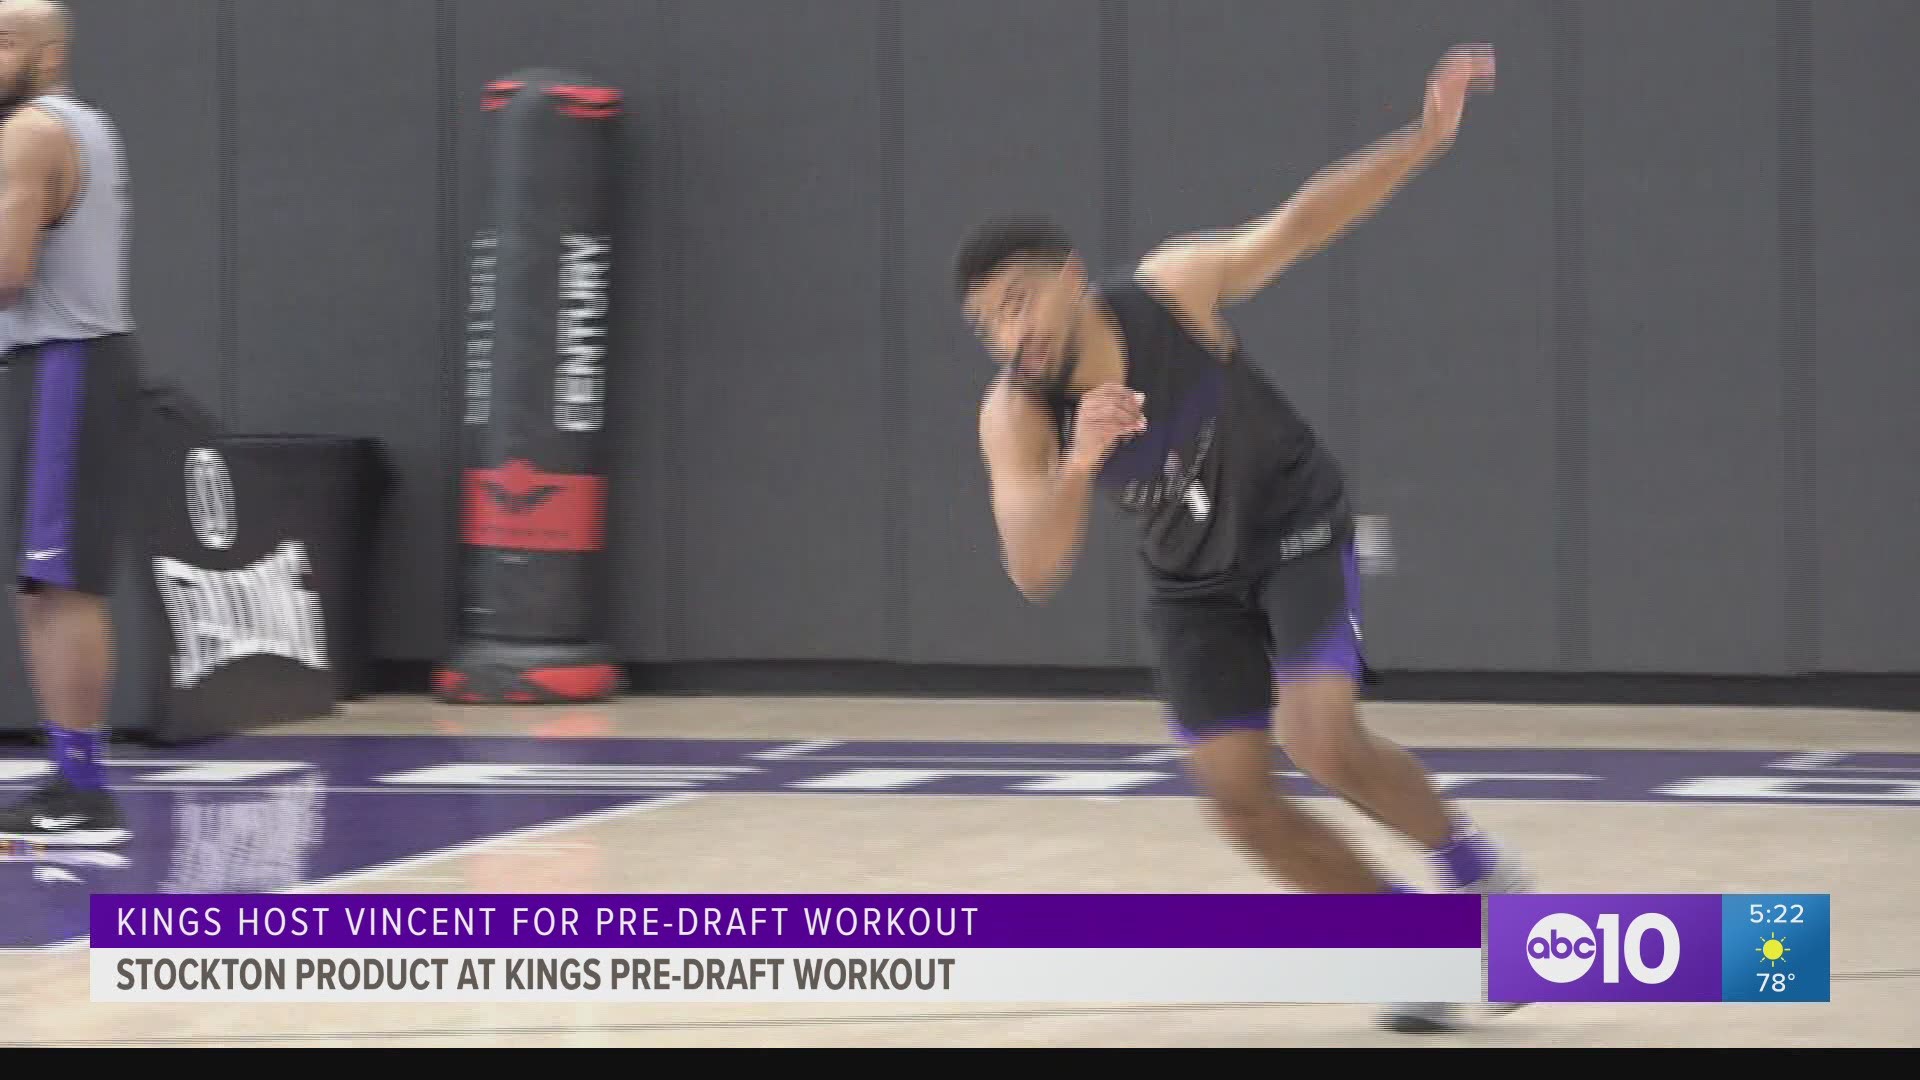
(1337, 651)
(1257, 721)
(46, 541)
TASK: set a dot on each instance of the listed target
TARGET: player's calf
(1235, 774)
(1324, 736)
(68, 643)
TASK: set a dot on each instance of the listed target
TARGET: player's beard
(16, 92)
(1057, 381)
(1054, 382)
(1061, 380)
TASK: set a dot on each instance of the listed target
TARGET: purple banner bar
(1604, 947)
(777, 920)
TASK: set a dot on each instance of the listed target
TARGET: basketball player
(65, 328)
(1136, 384)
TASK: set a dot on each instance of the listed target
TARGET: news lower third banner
(786, 948)
(1047, 948)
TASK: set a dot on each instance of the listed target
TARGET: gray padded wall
(337, 283)
(1682, 166)
(1629, 369)
(1867, 237)
(785, 464)
(1002, 112)
(1442, 350)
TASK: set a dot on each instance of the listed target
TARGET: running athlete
(1136, 384)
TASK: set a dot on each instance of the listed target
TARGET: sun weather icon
(1774, 950)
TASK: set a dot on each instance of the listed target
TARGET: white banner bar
(1159, 976)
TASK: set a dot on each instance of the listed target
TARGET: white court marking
(465, 847)
(794, 750)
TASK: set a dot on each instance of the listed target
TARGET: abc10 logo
(1562, 948)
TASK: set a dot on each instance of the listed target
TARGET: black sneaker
(61, 814)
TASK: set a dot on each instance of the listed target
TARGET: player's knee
(1241, 808)
(1333, 753)
(31, 603)
(1233, 771)
(72, 607)
(1242, 823)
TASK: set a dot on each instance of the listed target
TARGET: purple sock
(77, 755)
(1467, 857)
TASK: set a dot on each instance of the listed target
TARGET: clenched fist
(1107, 415)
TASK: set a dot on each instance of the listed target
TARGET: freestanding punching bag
(534, 492)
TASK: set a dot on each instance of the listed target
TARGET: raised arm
(1229, 267)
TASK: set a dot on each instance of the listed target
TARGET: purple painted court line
(261, 813)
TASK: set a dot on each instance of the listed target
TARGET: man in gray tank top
(66, 335)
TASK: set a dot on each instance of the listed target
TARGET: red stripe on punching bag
(603, 96)
(522, 508)
(498, 93)
(587, 683)
(588, 102)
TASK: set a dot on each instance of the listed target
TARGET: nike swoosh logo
(45, 554)
(44, 822)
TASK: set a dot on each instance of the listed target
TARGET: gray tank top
(79, 285)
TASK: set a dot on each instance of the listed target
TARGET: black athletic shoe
(63, 815)
(1439, 1017)
(1423, 1018)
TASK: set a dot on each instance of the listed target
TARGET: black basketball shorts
(76, 413)
(1221, 656)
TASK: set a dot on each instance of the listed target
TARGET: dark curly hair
(999, 241)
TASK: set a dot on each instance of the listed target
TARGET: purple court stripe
(832, 921)
(295, 808)
(46, 544)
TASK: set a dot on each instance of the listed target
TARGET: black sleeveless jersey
(1228, 479)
